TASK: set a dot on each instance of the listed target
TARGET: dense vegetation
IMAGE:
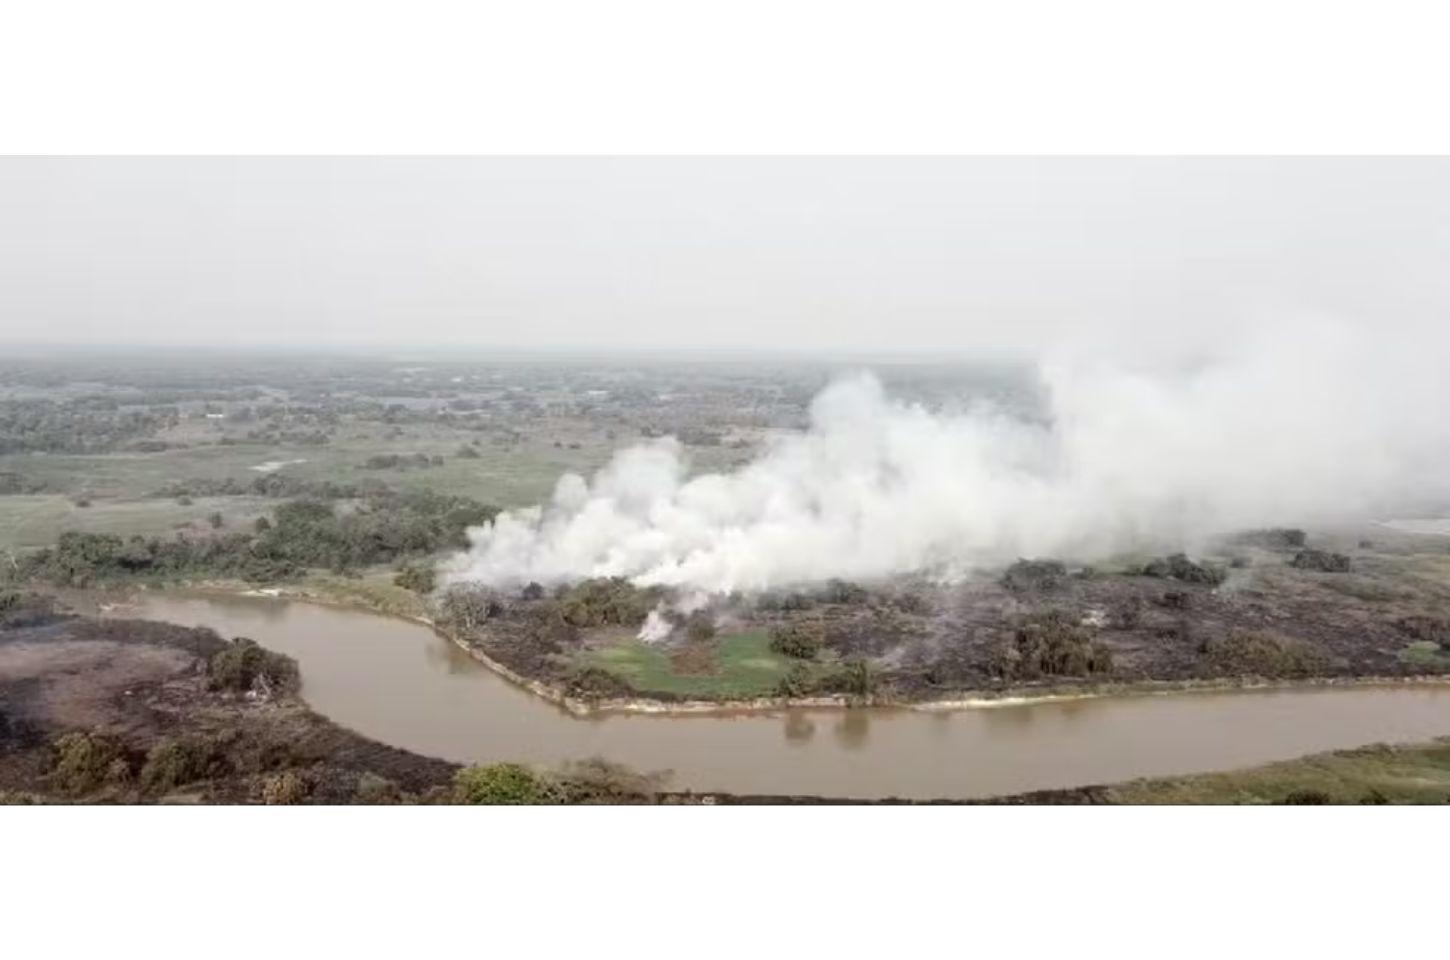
(91, 424)
(1052, 643)
(276, 485)
(502, 783)
(1260, 654)
(305, 534)
(1324, 561)
(1178, 567)
(1026, 575)
(606, 601)
(588, 781)
(245, 666)
(800, 640)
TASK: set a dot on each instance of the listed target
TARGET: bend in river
(400, 683)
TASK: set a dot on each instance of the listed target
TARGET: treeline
(88, 425)
(278, 485)
(306, 534)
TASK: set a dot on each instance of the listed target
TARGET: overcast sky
(971, 257)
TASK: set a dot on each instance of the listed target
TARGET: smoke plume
(1301, 424)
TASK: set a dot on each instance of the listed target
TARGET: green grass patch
(28, 522)
(374, 590)
(1424, 653)
(745, 667)
(1418, 773)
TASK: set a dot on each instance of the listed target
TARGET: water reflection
(799, 727)
(852, 729)
(1008, 718)
(450, 659)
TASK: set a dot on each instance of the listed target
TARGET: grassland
(37, 520)
(1416, 773)
(515, 475)
(738, 666)
(374, 589)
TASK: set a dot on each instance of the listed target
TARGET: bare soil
(139, 685)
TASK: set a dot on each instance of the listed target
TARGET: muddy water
(402, 684)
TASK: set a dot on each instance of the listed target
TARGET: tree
(799, 640)
(501, 783)
(418, 577)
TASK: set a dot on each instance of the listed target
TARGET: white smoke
(656, 626)
(1302, 424)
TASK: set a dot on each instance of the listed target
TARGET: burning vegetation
(1263, 607)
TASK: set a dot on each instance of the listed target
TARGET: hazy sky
(962, 256)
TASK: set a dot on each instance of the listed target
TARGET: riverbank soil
(1265, 605)
(1380, 774)
(127, 711)
(1413, 773)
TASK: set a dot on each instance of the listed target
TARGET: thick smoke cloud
(1303, 423)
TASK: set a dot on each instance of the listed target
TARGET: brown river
(402, 684)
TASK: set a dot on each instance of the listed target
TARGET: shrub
(1422, 653)
(854, 679)
(468, 606)
(1264, 655)
(799, 640)
(843, 591)
(1307, 797)
(699, 627)
(596, 683)
(1323, 561)
(182, 760)
(81, 762)
(597, 780)
(417, 577)
(244, 665)
(501, 783)
(1029, 575)
(532, 591)
(119, 771)
(1051, 643)
(285, 788)
(375, 790)
(606, 601)
(797, 682)
(1178, 567)
(1435, 630)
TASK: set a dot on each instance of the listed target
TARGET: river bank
(376, 598)
(132, 711)
(400, 682)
